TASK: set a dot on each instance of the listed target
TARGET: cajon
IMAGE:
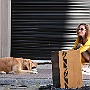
(66, 69)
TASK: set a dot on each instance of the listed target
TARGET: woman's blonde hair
(87, 34)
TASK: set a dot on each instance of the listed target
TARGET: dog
(17, 65)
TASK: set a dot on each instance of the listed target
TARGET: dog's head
(29, 64)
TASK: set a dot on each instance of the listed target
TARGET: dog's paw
(34, 70)
(12, 72)
(2, 72)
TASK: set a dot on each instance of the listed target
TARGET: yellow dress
(83, 48)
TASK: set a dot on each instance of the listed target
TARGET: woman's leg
(86, 56)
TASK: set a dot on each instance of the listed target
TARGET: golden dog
(16, 65)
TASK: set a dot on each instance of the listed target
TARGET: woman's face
(81, 31)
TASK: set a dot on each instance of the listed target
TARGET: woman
(82, 42)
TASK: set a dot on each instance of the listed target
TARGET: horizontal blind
(42, 26)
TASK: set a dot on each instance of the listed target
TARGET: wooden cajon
(66, 69)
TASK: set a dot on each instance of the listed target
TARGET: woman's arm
(85, 47)
(76, 43)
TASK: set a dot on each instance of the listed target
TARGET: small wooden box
(66, 69)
